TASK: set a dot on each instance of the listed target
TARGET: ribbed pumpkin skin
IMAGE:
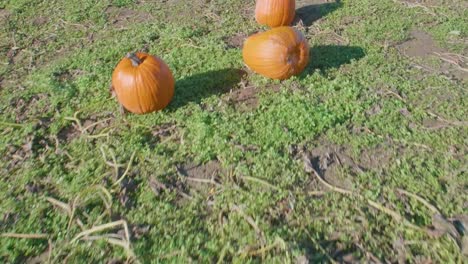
(145, 88)
(278, 53)
(275, 13)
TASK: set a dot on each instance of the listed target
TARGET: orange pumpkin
(143, 83)
(275, 13)
(278, 53)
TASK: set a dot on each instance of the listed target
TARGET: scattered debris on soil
(92, 125)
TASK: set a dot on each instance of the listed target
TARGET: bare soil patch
(247, 98)
(420, 44)
(68, 133)
(244, 99)
(422, 48)
(199, 176)
(123, 17)
(336, 164)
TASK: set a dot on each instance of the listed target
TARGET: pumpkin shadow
(313, 12)
(193, 89)
(326, 57)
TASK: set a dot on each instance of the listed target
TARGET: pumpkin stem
(134, 58)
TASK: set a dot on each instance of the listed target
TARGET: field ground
(361, 158)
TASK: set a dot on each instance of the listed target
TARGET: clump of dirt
(68, 75)
(247, 98)
(191, 178)
(123, 17)
(374, 110)
(34, 187)
(16, 56)
(244, 99)
(33, 146)
(39, 21)
(24, 108)
(4, 14)
(376, 157)
(423, 49)
(167, 132)
(164, 131)
(235, 41)
(329, 160)
(17, 154)
(68, 133)
(127, 191)
(199, 176)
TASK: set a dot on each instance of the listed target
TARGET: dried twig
(455, 59)
(265, 183)
(84, 130)
(126, 170)
(279, 243)
(416, 5)
(64, 206)
(8, 124)
(369, 254)
(102, 228)
(251, 222)
(210, 181)
(421, 200)
(172, 254)
(27, 236)
(49, 255)
(451, 122)
(322, 250)
(396, 95)
(223, 254)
